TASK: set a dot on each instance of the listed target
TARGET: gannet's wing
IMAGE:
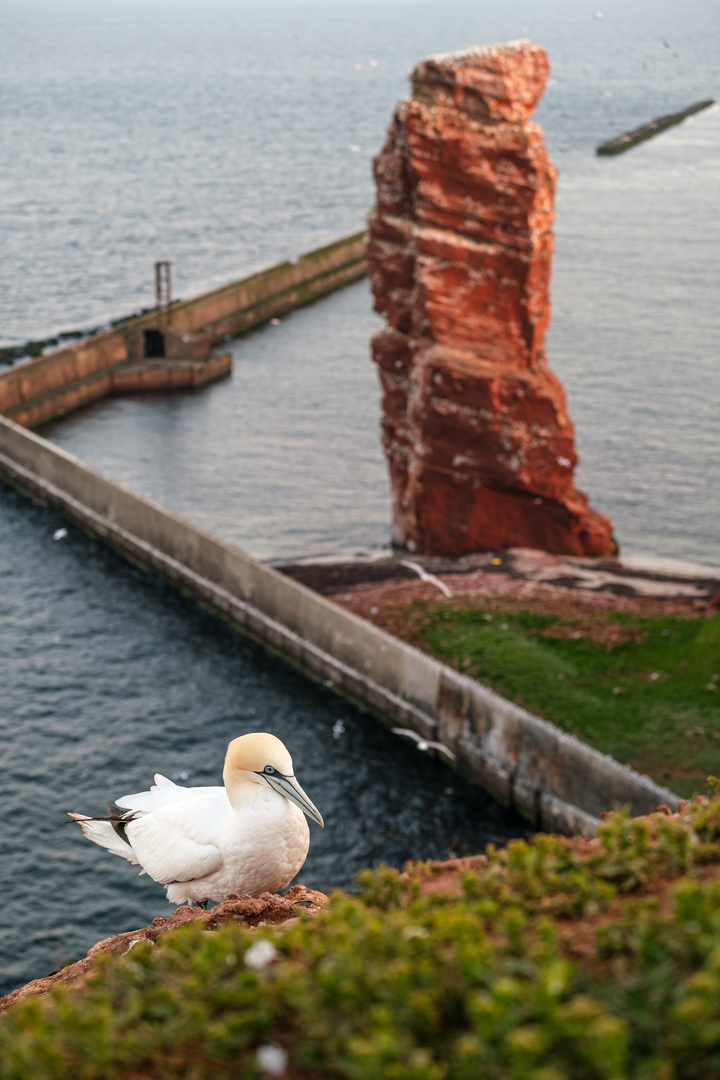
(162, 792)
(181, 841)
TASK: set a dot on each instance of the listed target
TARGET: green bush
(557, 960)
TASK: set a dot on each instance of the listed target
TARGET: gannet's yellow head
(261, 758)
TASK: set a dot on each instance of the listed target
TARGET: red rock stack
(475, 427)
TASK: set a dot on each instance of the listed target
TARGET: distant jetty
(647, 131)
(169, 347)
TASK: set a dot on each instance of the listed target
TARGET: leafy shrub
(557, 960)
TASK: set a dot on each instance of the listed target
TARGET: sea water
(226, 137)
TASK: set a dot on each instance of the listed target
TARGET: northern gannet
(204, 843)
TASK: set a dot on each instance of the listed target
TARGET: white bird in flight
(425, 576)
(204, 843)
(424, 744)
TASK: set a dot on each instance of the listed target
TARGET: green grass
(558, 960)
(653, 703)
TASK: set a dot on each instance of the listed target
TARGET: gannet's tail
(102, 832)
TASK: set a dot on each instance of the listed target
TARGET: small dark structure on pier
(163, 341)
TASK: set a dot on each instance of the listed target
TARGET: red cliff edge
(475, 426)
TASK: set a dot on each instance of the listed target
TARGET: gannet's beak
(289, 787)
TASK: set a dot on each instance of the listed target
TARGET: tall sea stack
(475, 427)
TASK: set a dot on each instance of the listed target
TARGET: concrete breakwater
(621, 143)
(560, 783)
(171, 349)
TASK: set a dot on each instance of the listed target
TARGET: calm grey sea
(227, 136)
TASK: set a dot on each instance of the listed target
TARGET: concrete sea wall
(236, 308)
(559, 782)
(61, 381)
(56, 384)
(106, 363)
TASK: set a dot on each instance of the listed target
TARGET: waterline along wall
(560, 783)
(118, 360)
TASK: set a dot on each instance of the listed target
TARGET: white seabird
(424, 744)
(204, 843)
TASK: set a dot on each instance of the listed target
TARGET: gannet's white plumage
(203, 843)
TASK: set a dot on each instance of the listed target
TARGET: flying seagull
(425, 576)
(249, 836)
(424, 744)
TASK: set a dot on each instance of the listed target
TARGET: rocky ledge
(250, 910)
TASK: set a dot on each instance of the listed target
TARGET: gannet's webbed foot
(203, 904)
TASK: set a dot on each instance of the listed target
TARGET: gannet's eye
(269, 771)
